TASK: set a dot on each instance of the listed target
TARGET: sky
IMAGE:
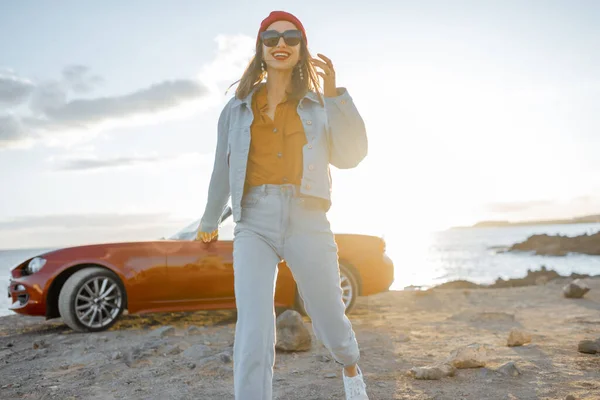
(474, 111)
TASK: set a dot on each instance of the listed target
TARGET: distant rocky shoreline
(560, 245)
(539, 277)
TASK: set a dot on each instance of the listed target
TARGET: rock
(560, 245)
(589, 346)
(225, 357)
(163, 331)
(471, 356)
(172, 350)
(191, 365)
(509, 369)
(196, 352)
(292, 334)
(330, 375)
(116, 355)
(323, 358)
(518, 337)
(194, 330)
(40, 344)
(576, 289)
(433, 372)
(570, 397)
(135, 357)
(152, 345)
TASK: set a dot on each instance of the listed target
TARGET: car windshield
(187, 233)
(190, 231)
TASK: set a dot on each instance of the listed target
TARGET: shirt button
(310, 146)
(279, 155)
(343, 102)
(307, 186)
(309, 122)
(311, 167)
(275, 130)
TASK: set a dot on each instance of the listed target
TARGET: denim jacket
(335, 135)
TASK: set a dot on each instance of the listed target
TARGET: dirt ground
(142, 358)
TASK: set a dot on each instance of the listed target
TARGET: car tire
(106, 292)
(349, 284)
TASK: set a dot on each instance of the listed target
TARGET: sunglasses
(271, 38)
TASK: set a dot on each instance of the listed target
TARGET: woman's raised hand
(328, 74)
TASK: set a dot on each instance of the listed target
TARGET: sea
(423, 260)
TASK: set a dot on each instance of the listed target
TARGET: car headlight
(35, 265)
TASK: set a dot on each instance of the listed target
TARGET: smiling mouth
(281, 55)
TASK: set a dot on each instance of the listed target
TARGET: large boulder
(471, 356)
(589, 346)
(517, 337)
(434, 372)
(576, 289)
(292, 334)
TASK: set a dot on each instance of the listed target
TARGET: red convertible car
(90, 286)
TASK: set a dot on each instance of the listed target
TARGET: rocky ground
(462, 334)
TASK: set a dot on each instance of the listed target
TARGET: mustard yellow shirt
(275, 155)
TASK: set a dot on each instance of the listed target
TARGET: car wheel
(91, 300)
(349, 284)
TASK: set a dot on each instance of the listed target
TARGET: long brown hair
(254, 75)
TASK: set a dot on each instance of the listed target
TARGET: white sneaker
(355, 386)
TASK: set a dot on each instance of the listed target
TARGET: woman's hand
(328, 74)
(207, 236)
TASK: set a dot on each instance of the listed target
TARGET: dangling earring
(263, 66)
(300, 72)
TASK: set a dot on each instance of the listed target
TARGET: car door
(201, 272)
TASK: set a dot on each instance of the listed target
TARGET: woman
(276, 140)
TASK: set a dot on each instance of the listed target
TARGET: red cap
(280, 16)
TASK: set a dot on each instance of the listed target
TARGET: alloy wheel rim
(347, 291)
(98, 302)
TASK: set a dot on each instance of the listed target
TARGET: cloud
(50, 110)
(558, 208)
(14, 90)
(518, 206)
(10, 128)
(155, 98)
(78, 79)
(78, 220)
(52, 115)
(75, 229)
(233, 55)
(93, 163)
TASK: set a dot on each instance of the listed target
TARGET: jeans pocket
(251, 200)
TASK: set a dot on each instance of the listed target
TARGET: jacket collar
(247, 101)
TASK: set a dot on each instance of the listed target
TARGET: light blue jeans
(278, 223)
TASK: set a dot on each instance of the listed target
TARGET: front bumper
(26, 296)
